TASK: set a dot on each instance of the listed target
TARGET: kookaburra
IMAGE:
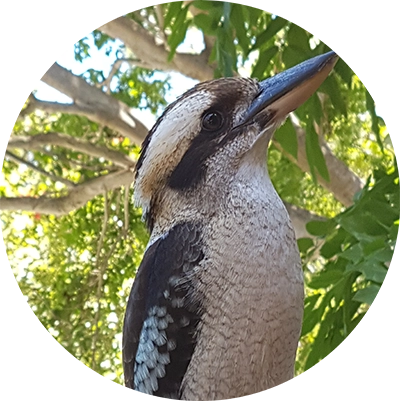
(216, 307)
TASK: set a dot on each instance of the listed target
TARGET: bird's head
(207, 133)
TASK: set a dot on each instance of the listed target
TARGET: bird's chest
(253, 295)
(250, 247)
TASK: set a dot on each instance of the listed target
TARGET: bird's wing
(163, 313)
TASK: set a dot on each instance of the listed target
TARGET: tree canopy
(73, 235)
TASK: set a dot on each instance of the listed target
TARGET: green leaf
(272, 29)
(367, 295)
(238, 24)
(353, 253)
(350, 308)
(314, 154)
(225, 52)
(206, 23)
(362, 225)
(387, 213)
(287, 138)
(322, 343)
(299, 39)
(325, 278)
(305, 244)
(374, 271)
(254, 15)
(344, 71)
(311, 319)
(331, 87)
(81, 50)
(394, 231)
(207, 5)
(292, 56)
(213, 57)
(311, 300)
(174, 9)
(263, 61)
(178, 32)
(320, 227)
(312, 315)
(374, 117)
(383, 255)
(100, 39)
(373, 246)
(333, 244)
(322, 48)
(314, 109)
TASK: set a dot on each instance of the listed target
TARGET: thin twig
(103, 229)
(160, 19)
(76, 163)
(38, 141)
(103, 267)
(117, 201)
(115, 68)
(126, 210)
(20, 160)
(100, 267)
(160, 16)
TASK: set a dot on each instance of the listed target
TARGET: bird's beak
(286, 91)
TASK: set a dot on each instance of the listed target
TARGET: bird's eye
(212, 121)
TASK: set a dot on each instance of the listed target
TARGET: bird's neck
(217, 196)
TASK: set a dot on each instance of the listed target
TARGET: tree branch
(96, 168)
(50, 107)
(82, 193)
(143, 45)
(36, 142)
(116, 66)
(20, 160)
(93, 103)
(76, 198)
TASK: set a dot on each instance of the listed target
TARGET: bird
(216, 306)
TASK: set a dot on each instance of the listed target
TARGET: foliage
(76, 270)
(138, 88)
(75, 280)
(353, 250)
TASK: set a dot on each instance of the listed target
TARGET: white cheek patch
(168, 143)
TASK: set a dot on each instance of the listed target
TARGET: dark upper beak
(289, 89)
